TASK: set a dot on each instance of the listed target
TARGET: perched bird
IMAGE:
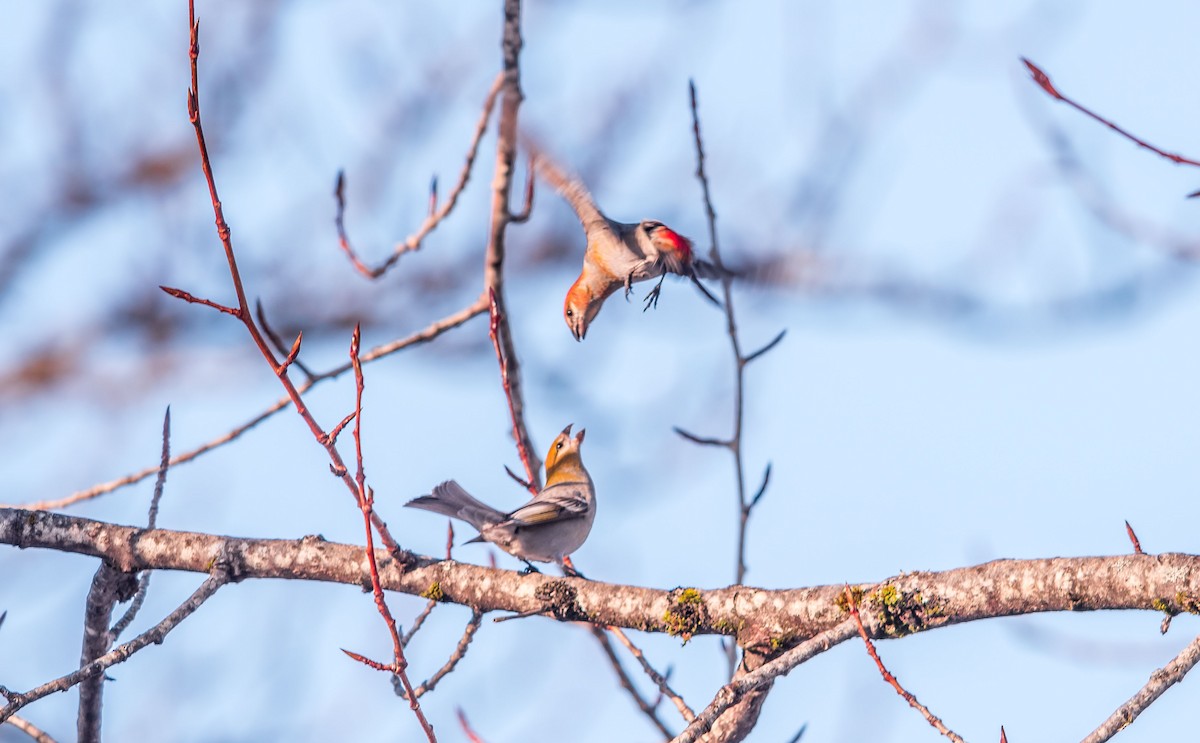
(546, 529)
(619, 254)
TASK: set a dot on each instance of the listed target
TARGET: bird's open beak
(579, 436)
(567, 431)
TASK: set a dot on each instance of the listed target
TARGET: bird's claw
(529, 568)
(652, 296)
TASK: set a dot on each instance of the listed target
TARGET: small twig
(762, 489)
(27, 727)
(702, 440)
(425, 335)
(799, 734)
(1003, 736)
(366, 503)
(732, 692)
(648, 709)
(277, 342)
(518, 479)
(243, 308)
(429, 605)
(1043, 81)
(435, 216)
(774, 342)
(522, 216)
(153, 636)
(659, 680)
(164, 463)
(526, 455)
(187, 297)
(852, 605)
(740, 360)
(462, 720)
(1161, 680)
(1137, 546)
(460, 651)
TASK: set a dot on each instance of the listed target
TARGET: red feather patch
(674, 241)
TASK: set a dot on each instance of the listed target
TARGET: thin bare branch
(659, 680)
(139, 598)
(852, 605)
(648, 709)
(732, 692)
(522, 216)
(429, 333)
(702, 440)
(762, 489)
(435, 216)
(153, 636)
(190, 298)
(1043, 81)
(740, 361)
(472, 736)
(774, 342)
(27, 727)
(366, 503)
(460, 651)
(1161, 680)
(277, 342)
(531, 473)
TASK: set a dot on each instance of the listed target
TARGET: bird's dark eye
(570, 313)
(558, 446)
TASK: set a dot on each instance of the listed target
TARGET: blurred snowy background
(990, 351)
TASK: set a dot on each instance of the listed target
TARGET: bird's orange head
(563, 462)
(580, 308)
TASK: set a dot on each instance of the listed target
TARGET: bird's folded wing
(557, 503)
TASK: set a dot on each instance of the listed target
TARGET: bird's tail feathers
(706, 270)
(449, 499)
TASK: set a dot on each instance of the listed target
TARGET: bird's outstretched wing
(571, 188)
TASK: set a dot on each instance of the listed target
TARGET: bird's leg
(652, 297)
(629, 284)
(569, 570)
(529, 568)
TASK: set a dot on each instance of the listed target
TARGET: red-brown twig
(1159, 682)
(436, 215)
(1003, 736)
(1043, 81)
(496, 317)
(1137, 546)
(650, 710)
(852, 605)
(741, 361)
(366, 502)
(462, 720)
(425, 335)
(242, 311)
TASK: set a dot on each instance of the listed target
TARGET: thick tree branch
(912, 602)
